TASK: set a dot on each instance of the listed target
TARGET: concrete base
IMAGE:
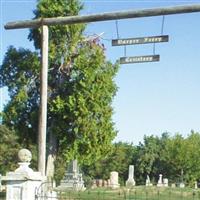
(182, 185)
(130, 183)
(22, 184)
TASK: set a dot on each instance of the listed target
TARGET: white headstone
(160, 181)
(114, 180)
(182, 185)
(130, 182)
(94, 184)
(148, 182)
(173, 185)
(100, 183)
(165, 182)
(195, 185)
(75, 166)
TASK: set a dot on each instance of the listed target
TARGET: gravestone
(100, 183)
(108, 182)
(173, 185)
(130, 182)
(160, 181)
(105, 183)
(165, 182)
(195, 185)
(94, 184)
(114, 180)
(182, 185)
(148, 182)
(73, 179)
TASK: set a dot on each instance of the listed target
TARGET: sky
(152, 98)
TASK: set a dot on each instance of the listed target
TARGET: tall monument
(72, 179)
(130, 182)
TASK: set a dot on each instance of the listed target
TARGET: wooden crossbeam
(103, 16)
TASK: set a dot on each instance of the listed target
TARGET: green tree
(182, 154)
(20, 73)
(118, 160)
(149, 157)
(175, 157)
(80, 88)
(192, 151)
(9, 147)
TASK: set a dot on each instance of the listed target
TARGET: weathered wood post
(43, 102)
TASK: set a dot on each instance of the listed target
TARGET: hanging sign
(140, 40)
(139, 59)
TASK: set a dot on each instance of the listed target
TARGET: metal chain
(162, 30)
(117, 29)
(163, 22)
(154, 48)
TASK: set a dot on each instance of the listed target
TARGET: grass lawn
(136, 193)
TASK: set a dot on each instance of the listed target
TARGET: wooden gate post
(43, 102)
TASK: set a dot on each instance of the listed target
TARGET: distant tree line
(175, 157)
(167, 155)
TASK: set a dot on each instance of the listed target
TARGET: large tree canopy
(80, 87)
(20, 73)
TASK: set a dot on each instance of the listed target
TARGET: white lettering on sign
(142, 40)
(154, 39)
(127, 41)
(139, 59)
